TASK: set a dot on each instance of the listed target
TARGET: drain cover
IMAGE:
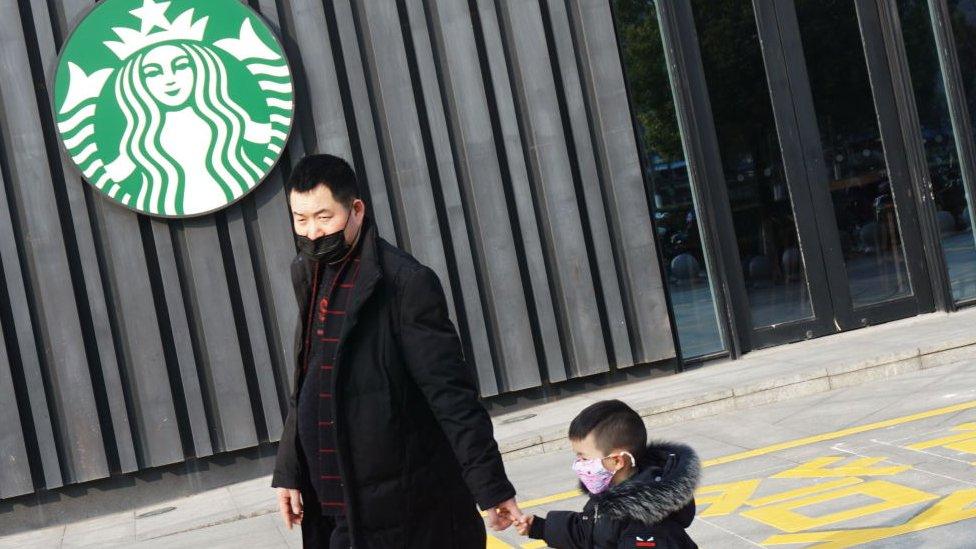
(517, 419)
(155, 512)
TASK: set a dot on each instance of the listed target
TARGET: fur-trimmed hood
(665, 483)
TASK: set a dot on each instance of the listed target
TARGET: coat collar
(370, 273)
(666, 482)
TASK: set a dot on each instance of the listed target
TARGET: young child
(641, 495)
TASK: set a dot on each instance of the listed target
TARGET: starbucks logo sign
(174, 108)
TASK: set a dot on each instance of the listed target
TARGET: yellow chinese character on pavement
(963, 442)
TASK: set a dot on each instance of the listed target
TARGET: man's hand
(525, 525)
(504, 514)
(290, 505)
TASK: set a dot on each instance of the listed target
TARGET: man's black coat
(416, 446)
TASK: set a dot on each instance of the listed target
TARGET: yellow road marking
(838, 434)
(786, 517)
(803, 492)
(787, 445)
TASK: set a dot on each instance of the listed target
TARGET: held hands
(504, 514)
(290, 506)
(523, 526)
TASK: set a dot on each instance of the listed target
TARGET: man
(386, 443)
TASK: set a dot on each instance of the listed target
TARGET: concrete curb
(762, 377)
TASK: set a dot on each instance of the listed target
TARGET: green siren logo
(173, 116)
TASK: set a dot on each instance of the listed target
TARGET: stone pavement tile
(706, 533)
(737, 527)
(254, 496)
(705, 446)
(293, 537)
(542, 475)
(258, 532)
(765, 375)
(761, 377)
(43, 538)
(653, 400)
(203, 509)
(117, 528)
(873, 373)
(966, 353)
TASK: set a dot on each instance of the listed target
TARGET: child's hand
(523, 526)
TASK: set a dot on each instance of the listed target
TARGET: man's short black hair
(325, 169)
(613, 424)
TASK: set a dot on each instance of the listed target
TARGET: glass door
(814, 167)
(856, 161)
(784, 291)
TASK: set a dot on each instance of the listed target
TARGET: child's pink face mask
(594, 476)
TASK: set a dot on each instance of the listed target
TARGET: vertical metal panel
(403, 149)
(29, 361)
(306, 22)
(579, 134)
(461, 238)
(492, 140)
(181, 341)
(515, 175)
(53, 304)
(555, 196)
(486, 206)
(369, 146)
(86, 255)
(15, 477)
(213, 324)
(619, 162)
(258, 365)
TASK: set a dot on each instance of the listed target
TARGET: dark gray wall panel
(461, 238)
(175, 313)
(213, 324)
(29, 360)
(58, 327)
(495, 142)
(582, 149)
(372, 164)
(78, 195)
(487, 209)
(15, 478)
(559, 212)
(403, 148)
(260, 353)
(517, 178)
(622, 182)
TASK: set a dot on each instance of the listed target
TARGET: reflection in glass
(761, 206)
(858, 177)
(950, 193)
(678, 236)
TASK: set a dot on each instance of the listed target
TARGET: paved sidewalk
(761, 377)
(244, 514)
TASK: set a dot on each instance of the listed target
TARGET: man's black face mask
(329, 248)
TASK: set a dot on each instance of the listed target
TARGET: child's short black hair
(613, 424)
(325, 169)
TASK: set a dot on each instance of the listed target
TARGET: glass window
(762, 209)
(864, 206)
(950, 193)
(664, 163)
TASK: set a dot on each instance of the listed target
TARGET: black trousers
(322, 531)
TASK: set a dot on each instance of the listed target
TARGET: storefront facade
(811, 162)
(605, 187)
